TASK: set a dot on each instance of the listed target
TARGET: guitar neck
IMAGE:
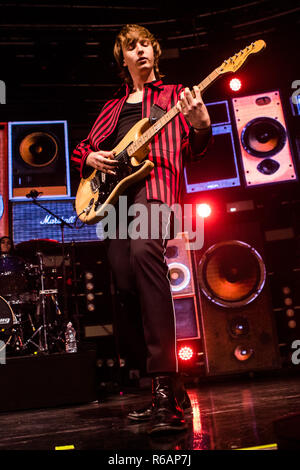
(150, 133)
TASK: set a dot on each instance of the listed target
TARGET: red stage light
(235, 84)
(185, 353)
(203, 210)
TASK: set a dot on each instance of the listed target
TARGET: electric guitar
(99, 189)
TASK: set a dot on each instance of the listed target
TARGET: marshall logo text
(50, 220)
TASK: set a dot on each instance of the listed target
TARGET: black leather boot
(167, 415)
(145, 413)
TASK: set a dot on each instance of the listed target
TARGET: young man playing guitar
(138, 265)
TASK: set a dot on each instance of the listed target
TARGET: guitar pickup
(95, 183)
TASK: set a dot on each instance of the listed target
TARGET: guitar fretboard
(148, 135)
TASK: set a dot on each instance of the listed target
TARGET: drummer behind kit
(30, 318)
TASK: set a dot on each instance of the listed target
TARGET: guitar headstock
(235, 62)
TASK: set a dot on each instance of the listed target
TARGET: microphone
(33, 194)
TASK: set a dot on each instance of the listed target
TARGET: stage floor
(235, 414)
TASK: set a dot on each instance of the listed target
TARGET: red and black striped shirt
(168, 149)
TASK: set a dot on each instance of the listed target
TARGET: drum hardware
(31, 315)
(17, 335)
(48, 291)
(41, 312)
(41, 306)
(33, 195)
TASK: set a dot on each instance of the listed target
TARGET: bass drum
(7, 320)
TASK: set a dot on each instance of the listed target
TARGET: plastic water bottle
(70, 335)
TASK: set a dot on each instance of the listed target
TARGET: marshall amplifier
(30, 221)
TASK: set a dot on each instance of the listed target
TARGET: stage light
(290, 312)
(286, 290)
(292, 324)
(203, 210)
(89, 275)
(185, 353)
(235, 84)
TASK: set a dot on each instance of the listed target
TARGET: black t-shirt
(131, 113)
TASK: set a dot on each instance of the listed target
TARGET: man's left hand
(193, 108)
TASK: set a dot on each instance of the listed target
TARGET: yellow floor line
(262, 447)
(70, 447)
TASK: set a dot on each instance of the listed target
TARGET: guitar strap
(159, 108)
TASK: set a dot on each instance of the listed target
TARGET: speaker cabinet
(263, 139)
(38, 159)
(180, 260)
(237, 324)
(219, 168)
(4, 220)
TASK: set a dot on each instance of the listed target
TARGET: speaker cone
(38, 149)
(179, 276)
(263, 137)
(243, 353)
(268, 166)
(238, 326)
(231, 273)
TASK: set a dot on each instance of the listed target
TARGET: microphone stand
(33, 195)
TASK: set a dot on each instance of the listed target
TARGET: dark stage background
(57, 64)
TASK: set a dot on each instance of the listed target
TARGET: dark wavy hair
(12, 249)
(127, 33)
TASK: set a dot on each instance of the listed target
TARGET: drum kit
(30, 279)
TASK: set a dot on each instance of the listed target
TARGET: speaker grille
(231, 273)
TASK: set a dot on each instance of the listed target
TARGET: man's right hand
(103, 161)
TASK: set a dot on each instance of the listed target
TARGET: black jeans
(146, 324)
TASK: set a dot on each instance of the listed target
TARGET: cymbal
(43, 245)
